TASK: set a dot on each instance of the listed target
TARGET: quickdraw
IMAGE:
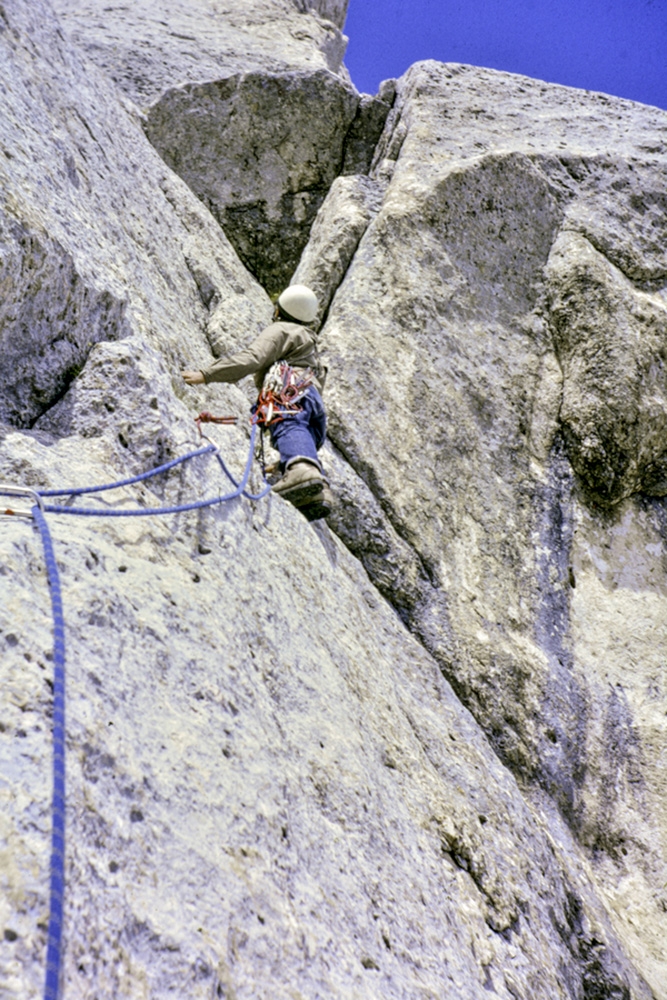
(207, 418)
(283, 387)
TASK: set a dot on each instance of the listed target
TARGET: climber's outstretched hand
(193, 378)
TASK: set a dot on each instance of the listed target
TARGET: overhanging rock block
(250, 105)
(261, 151)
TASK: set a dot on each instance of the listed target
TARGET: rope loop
(37, 513)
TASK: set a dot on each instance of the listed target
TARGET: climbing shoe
(302, 481)
(318, 506)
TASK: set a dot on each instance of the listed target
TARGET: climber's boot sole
(318, 506)
(316, 510)
(302, 493)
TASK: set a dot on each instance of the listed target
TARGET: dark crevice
(366, 130)
(270, 249)
(205, 286)
(325, 314)
(66, 380)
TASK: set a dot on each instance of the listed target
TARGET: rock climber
(289, 377)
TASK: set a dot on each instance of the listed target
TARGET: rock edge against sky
(418, 751)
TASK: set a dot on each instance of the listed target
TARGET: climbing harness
(36, 512)
(283, 387)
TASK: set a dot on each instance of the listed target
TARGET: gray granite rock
(102, 241)
(148, 49)
(261, 151)
(273, 788)
(611, 342)
(341, 222)
(333, 10)
(247, 102)
(503, 335)
(366, 129)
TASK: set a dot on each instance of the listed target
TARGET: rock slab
(507, 338)
(277, 785)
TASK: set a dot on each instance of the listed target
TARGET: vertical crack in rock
(264, 655)
(338, 228)
(367, 128)
(261, 151)
(564, 704)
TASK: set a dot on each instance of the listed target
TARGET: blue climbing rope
(57, 864)
(248, 496)
(57, 876)
(78, 490)
(177, 509)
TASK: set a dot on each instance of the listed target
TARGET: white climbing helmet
(299, 302)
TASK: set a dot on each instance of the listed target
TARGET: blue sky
(617, 46)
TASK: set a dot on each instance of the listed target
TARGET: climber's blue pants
(301, 434)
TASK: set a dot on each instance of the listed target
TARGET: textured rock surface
(147, 50)
(273, 789)
(261, 152)
(367, 128)
(512, 352)
(334, 238)
(103, 241)
(610, 338)
(253, 811)
(333, 10)
(247, 102)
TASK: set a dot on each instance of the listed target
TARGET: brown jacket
(281, 341)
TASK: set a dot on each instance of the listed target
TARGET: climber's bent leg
(301, 434)
(298, 438)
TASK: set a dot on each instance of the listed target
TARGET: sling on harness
(283, 387)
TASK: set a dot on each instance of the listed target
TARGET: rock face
(510, 353)
(103, 242)
(610, 337)
(148, 50)
(278, 158)
(420, 755)
(247, 102)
